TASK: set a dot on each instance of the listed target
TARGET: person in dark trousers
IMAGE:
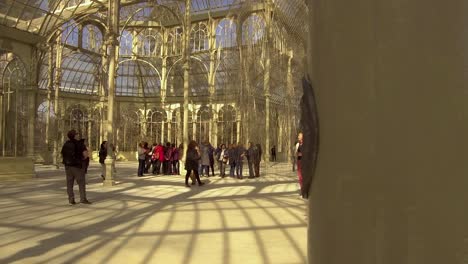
(211, 156)
(300, 141)
(192, 157)
(257, 162)
(147, 157)
(168, 159)
(240, 154)
(222, 158)
(232, 154)
(252, 158)
(154, 158)
(175, 160)
(102, 158)
(141, 159)
(273, 153)
(73, 153)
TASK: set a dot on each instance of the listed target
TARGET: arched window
(137, 78)
(79, 73)
(174, 41)
(40, 135)
(14, 102)
(92, 38)
(253, 29)
(157, 126)
(204, 116)
(70, 33)
(227, 125)
(226, 34)
(42, 111)
(198, 78)
(126, 41)
(76, 117)
(199, 37)
(128, 129)
(151, 43)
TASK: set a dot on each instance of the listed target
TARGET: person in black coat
(191, 162)
(273, 153)
(253, 158)
(102, 158)
(257, 162)
(73, 153)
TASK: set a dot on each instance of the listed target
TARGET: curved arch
(148, 63)
(150, 43)
(79, 71)
(199, 37)
(77, 19)
(174, 41)
(157, 125)
(174, 64)
(143, 8)
(92, 38)
(198, 77)
(96, 22)
(128, 128)
(14, 103)
(191, 57)
(76, 117)
(126, 43)
(205, 113)
(138, 78)
(253, 29)
(227, 124)
(71, 27)
(226, 33)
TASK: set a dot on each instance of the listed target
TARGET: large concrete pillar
(50, 86)
(59, 113)
(391, 86)
(186, 67)
(112, 45)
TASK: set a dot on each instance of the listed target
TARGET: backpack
(70, 154)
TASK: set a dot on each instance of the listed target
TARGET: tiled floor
(154, 219)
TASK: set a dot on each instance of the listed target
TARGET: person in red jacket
(160, 155)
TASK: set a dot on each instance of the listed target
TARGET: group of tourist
(164, 159)
(200, 159)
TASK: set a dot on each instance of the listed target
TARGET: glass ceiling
(42, 16)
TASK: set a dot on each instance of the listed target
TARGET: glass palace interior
(162, 70)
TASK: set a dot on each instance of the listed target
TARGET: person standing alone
(102, 158)
(273, 153)
(73, 154)
(299, 158)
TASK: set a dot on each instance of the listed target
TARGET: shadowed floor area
(154, 219)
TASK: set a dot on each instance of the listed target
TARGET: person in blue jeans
(141, 159)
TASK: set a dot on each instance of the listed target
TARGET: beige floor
(154, 219)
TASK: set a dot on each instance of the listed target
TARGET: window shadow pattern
(154, 219)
